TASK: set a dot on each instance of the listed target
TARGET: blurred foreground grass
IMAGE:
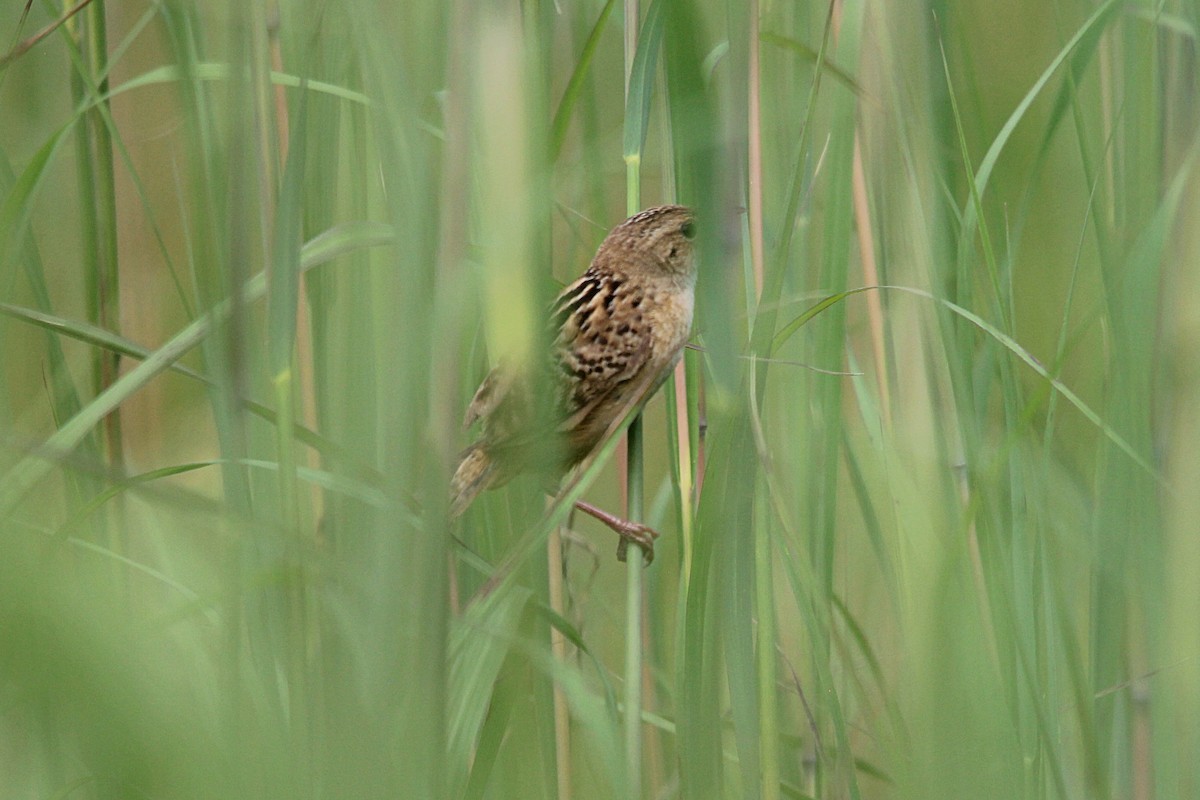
(936, 538)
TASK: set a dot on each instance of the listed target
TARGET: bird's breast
(671, 324)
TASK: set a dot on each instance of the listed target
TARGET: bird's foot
(637, 533)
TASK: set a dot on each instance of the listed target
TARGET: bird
(616, 334)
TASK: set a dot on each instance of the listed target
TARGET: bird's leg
(641, 535)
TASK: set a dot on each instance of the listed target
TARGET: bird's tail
(474, 474)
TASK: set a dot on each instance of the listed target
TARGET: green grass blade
(23, 476)
(641, 82)
(571, 95)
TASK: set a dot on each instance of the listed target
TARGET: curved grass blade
(1098, 18)
(220, 72)
(479, 644)
(98, 337)
(566, 106)
(786, 331)
(806, 52)
(26, 473)
(1005, 341)
(330, 481)
(641, 83)
(24, 46)
(18, 205)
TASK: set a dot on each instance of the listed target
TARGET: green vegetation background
(927, 487)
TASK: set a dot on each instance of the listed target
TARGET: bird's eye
(688, 230)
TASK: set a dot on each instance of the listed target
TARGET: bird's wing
(602, 342)
(490, 394)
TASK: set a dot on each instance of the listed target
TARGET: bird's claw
(641, 535)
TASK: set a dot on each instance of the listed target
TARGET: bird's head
(657, 240)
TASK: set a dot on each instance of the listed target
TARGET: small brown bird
(618, 331)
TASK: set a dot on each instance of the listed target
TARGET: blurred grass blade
(806, 52)
(796, 324)
(24, 475)
(65, 394)
(566, 106)
(17, 208)
(479, 643)
(283, 299)
(947, 554)
(221, 72)
(98, 337)
(641, 82)
(983, 174)
(1024, 355)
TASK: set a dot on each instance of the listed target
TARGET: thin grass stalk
(658, 767)
(754, 147)
(766, 641)
(15, 227)
(680, 441)
(411, 303)
(682, 395)
(93, 143)
(1002, 583)
(575, 87)
(834, 268)
(574, 98)
(634, 468)
(635, 562)
(558, 647)
(303, 380)
(633, 616)
(103, 216)
(286, 386)
(1129, 503)
(538, 23)
(866, 249)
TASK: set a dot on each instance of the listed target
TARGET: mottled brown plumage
(618, 331)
